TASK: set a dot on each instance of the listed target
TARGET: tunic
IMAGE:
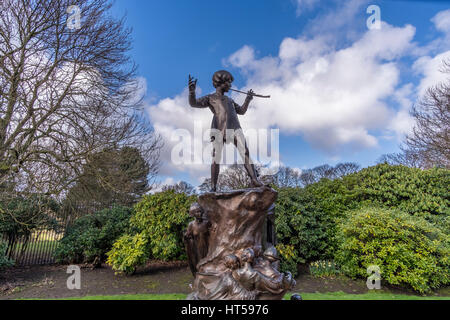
(225, 112)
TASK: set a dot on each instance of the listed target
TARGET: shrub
(90, 237)
(409, 250)
(164, 217)
(412, 190)
(160, 219)
(4, 260)
(307, 218)
(289, 258)
(417, 192)
(303, 221)
(21, 216)
(128, 252)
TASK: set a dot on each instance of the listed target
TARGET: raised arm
(194, 103)
(243, 109)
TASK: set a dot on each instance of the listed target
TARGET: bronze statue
(235, 267)
(246, 275)
(196, 237)
(269, 263)
(229, 287)
(267, 282)
(231, 243)
(225, 121)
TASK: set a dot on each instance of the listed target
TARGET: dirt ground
(50, 282)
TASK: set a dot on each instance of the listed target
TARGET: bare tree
(346, 168)
(430, 139)
(285, 177)
(232, 178)
(324, 171)
(405, 158)
(429, 143)
(181, 187)
(235, 176)
(310, 176)
(307, 177)
(205, 186)
(65, 94)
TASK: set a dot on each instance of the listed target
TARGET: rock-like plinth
(231, 249)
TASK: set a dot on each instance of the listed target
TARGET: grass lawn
(306, 296)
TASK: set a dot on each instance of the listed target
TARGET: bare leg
(215, 166)
(241, 145)
(215, 169)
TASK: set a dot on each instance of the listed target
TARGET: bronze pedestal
(231, 249)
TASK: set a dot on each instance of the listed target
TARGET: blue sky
(263, 42)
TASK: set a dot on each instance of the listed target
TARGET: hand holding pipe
(252, 94)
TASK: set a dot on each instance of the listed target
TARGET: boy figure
(225, 119)
(196, 237)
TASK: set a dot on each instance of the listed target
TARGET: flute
(253, 94)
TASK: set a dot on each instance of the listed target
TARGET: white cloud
(430, 70)
(339, 22)
(175, 113)
(332, 98)
(401, 123)
(243, 57)
(442, 21)
(440, 44)
(427, 67)
(301, 49)
(337, 98)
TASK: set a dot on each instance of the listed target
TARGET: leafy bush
(92, 236)
(307, 217)
(303, 220)
(164, 217)
(128, 252)
(159, 219)
(415, 191)
(4, 260)
(21, 216)
(408, 249)
(289, 258)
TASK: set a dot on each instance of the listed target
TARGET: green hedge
(307, 217)
(90, 237)
(158, 224)
(409, 250)
(304, 222)
(417, 192)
